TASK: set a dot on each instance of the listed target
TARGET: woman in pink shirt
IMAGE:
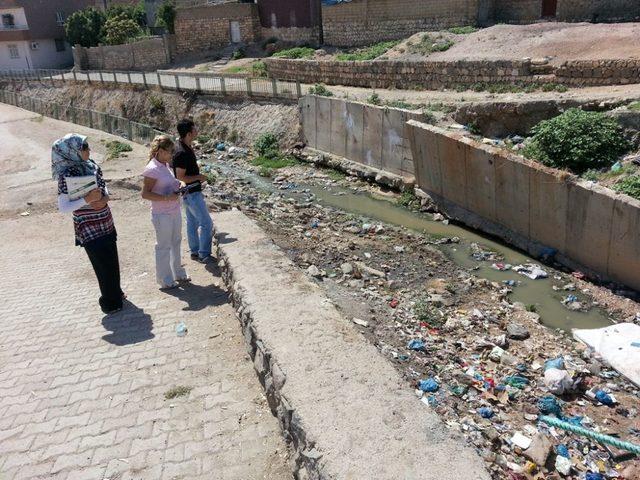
(161, 187)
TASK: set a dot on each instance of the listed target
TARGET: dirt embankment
(558, 42)
(238, 120)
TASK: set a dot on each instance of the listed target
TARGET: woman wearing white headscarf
(92, 219)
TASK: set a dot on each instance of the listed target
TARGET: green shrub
(265, 172)
(634, 106)
(166, 16)
(577, 140)
(321, 90)
(204, 138)
(463, 30)
(237, 69)
(429, 44)
(84, 27)
(367, 53)
(238, 54)
(266, 144)
(259, 69)
(403, 105)
(120, 29)
(115, 148)
(297, 52)
(408, 199)
(274, 162)
(157, 103)
(629, 186)
(374, 99)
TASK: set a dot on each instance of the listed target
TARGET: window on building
(8, 21)
(13, 51)
(60, 46)
(60, 18)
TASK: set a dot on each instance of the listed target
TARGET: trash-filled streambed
(459, 316)
(537, 293)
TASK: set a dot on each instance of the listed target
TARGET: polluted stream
(539, 292)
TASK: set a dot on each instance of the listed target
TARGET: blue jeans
(199, 224)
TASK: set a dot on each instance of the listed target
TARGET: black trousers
(103, 254)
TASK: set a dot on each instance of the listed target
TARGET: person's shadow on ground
(129, 326)
(198, 297)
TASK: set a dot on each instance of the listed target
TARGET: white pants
(168, 238)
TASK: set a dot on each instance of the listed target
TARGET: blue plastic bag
(554, 363)
(428, 385)
(563, 451)
(485, 412)
(417, 345)
(604, 398)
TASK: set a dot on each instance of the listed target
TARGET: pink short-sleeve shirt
(166, 184)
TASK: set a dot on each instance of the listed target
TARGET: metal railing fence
(202, 83)
(106, 122)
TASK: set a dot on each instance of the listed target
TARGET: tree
(84, 27)
(119, 29)
(166, 16)
(135, 13)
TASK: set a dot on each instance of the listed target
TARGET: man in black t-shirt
(185, 166)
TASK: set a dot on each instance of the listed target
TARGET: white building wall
(22, 63)
(46, 55)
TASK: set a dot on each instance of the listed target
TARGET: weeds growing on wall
(367, 53)
(297, 52)
(321, 90)
(577, 141)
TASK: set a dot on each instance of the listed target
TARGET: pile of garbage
(535, 403)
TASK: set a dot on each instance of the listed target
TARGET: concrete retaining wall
(373, 136)
(146, 54)
(529, 205)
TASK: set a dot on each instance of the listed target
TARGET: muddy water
(530, 292)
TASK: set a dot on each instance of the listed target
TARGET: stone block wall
(598, 10)
(599, 72)
(517, 11)
(208, 27)
(529, 205)
(146, 54)
(362, 22)
(435, 75)
(296, 35)
(398, 74)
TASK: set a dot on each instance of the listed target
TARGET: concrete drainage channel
(535, 292)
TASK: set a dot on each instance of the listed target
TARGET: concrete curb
(342, 407)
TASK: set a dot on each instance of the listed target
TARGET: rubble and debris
(481, 360)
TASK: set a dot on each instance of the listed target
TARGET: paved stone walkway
(82, 396)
